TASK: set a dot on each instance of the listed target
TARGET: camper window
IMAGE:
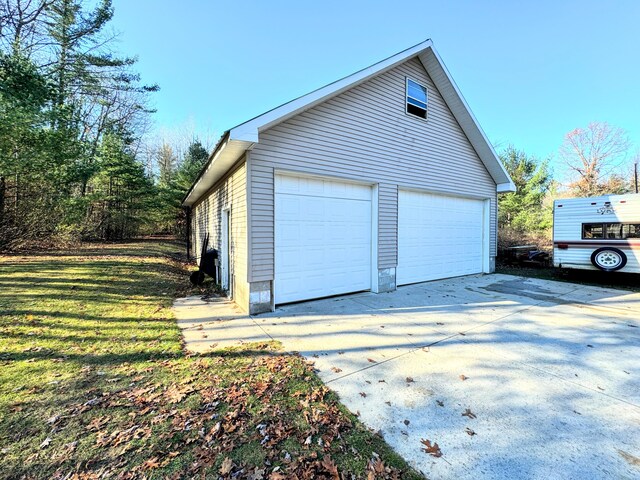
(592, 230)
(615, 230)
(611, 231)
(634, 230)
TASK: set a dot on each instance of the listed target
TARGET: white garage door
(438, 237)
(322, 238)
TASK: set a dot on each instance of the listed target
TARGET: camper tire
(608, 259)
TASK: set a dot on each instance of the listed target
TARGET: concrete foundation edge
(260, 297)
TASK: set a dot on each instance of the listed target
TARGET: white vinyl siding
(387, 225)
(386, 147)
(207, 218)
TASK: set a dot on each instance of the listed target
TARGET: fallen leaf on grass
(376, 466)
(46, 442)
(258, 474)
(53, 419)
(98, 422)
(151, 464)
(330, 467)
(433, 450)
(226, 467)
(469, 413)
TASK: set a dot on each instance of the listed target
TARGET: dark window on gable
(416, 99)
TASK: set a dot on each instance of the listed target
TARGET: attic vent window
(416, 99)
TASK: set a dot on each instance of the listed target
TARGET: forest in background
(598, 159)
(75, 159)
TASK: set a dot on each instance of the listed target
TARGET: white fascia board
(249, 130)
(505, 187)
(223, 159)
(465, 117)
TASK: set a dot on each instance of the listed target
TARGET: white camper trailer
(597, 233)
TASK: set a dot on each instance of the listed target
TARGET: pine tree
(525, 209)
(191, 166)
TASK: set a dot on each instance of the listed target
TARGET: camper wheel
(608, 259)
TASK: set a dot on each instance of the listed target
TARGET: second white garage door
(438, 237)
(322, 238)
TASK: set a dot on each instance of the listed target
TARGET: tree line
(73, 118)
(599, 161)
(75, 162)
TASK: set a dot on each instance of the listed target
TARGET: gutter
(223, 140)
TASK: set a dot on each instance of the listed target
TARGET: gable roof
(237, 140)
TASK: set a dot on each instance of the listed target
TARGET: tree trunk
(3, 189)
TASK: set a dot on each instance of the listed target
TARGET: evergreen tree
(64, 95)
(191, 166)
(525, 209)
(120, 192)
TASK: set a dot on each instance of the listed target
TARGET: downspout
(187, 211)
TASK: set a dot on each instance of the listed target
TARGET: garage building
(380, 179)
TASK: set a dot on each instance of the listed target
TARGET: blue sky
(531, 71)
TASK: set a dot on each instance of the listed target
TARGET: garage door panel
(438, 237)
(323, 238)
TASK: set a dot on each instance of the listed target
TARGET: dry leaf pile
(202, 426)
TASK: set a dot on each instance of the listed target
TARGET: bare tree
(167, 161)
(596, 155)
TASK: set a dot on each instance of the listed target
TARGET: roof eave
(224, 156)
(506, 187)
(249, 131)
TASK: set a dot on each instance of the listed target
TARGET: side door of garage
(323, 237)
(439, 236)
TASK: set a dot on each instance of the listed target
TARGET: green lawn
(94, 383)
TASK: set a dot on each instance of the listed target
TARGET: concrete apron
(547, 370)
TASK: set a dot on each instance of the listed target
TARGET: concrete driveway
(545, 373)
